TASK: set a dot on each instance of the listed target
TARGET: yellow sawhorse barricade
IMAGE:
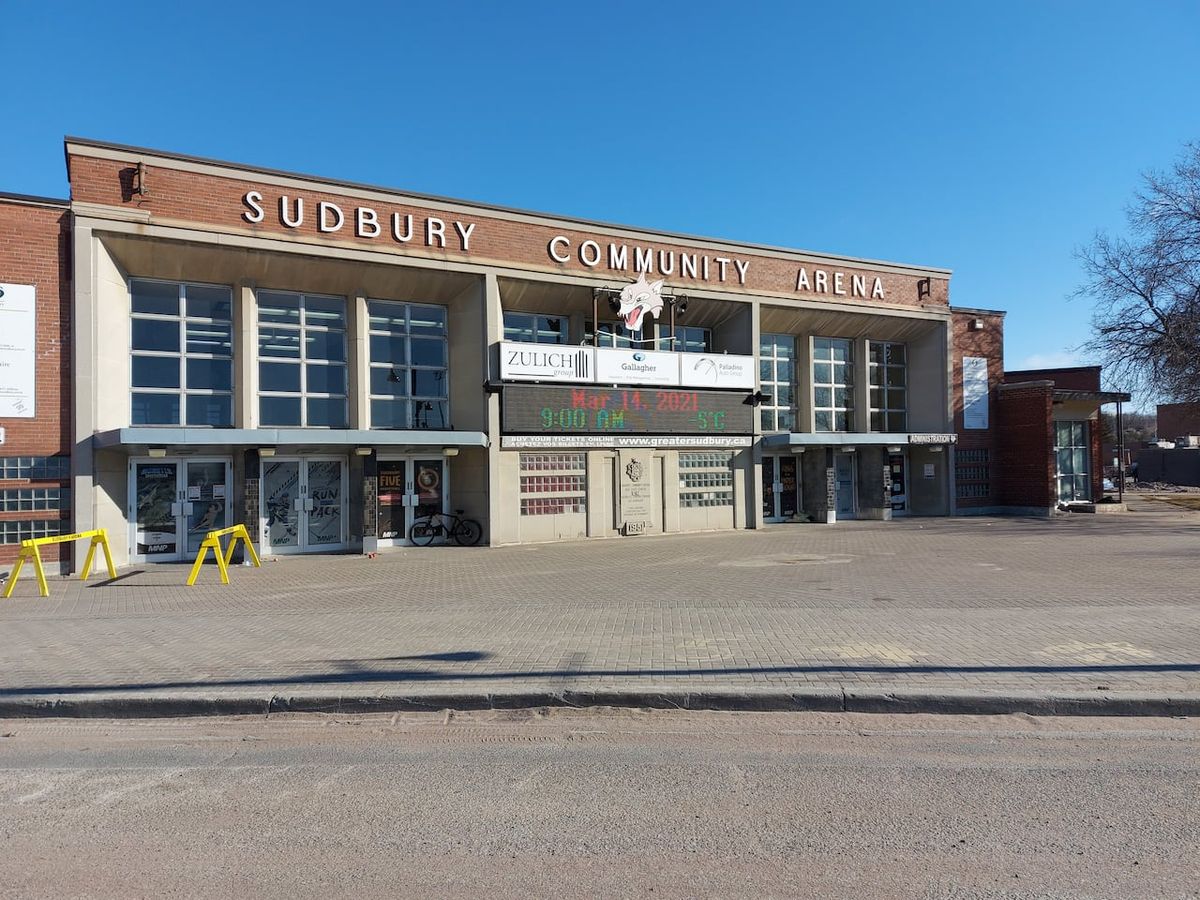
(30, 551)
(212, 541)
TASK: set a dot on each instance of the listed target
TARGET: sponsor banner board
(549, 409)
(609, 441)
(546, 362)
(717, 370)
(18, 350)
(975, 392)
(618, 366)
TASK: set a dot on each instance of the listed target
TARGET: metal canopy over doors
(303, 504)
(410, 488)
(781, 487)
(173, 503)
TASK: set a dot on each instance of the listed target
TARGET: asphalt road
(601, 803)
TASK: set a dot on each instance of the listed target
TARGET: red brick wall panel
(1176, 420)
(1071, 378)
(207, 199)
(987, 342)
(35, 249)
(1026, 453)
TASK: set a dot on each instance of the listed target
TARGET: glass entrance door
(843, 464)
(898, 464)
(781, 487)
(303, 505)
(410, 488)
(174, 503)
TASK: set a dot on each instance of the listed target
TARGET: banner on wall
(975, 392)
(18, 350)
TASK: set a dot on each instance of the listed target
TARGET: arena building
(190, 343)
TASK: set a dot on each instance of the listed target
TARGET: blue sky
(992, 139)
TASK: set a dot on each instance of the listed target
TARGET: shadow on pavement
(361, 675)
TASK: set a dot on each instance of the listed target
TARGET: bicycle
(464, 532)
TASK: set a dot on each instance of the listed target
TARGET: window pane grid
(34, 468)
(888, 378)
(174, 325)
(833, 384)
(302, 360)
(48, 499)
(14, 531)
(409, 383)
(776, 376)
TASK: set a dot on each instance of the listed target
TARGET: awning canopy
(225, 438)
(860, 439)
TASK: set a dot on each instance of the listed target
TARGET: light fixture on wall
(363, 451)
(924, 287)
(757, 398)
(157, 452)
(266, 451)
(449, 451)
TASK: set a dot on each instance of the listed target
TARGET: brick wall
(216, 200)
(1025, 455)
(1178, 419)
(986, 342)
(35, 249)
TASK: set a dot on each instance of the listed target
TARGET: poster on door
(155, 522)
(391, 499)
(281, 486)
(325, 491)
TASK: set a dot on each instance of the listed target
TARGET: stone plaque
(637, 491)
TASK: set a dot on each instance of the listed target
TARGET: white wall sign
(18, 350)
(975, 392)
(546, 362)
(716, 370)
(617, 366)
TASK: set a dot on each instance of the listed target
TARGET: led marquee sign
(588, 410)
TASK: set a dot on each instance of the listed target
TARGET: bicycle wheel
(423, 532)
(467, 532)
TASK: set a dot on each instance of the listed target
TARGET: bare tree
(1146, 288)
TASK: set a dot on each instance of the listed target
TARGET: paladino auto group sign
(610, 365)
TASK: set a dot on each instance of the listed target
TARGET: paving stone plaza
(1072, 604)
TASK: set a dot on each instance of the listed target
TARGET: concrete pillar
(245, 356)
(861, 420)
(804, 383)
(358, 361)
(83, 373)
(493, 328)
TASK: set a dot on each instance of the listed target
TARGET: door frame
(181, 533)
(777, 515)
(853, 458)
(905, 474)
(302, 546)
(410, 460)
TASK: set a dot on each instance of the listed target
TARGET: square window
(155, 409)
(279, 342)
(822, 373)
(156, 298)
(279, 377)
(389, 413)
(153, 334)
(386, 348)
(210, 337)
(389, 381)
(155, 371)
(428, 383)
(210, 374)
(823, 420)
(208, 302)
(427, 352)
(330, 345)
(325, 379)
(210, 409)
(276, 307)
(327, 412)
(279, 411)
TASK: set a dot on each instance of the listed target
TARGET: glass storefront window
(688, 339)
(181, 364)
(1072, 447)
(776, 375)
(888, 376)
(833, 384)
(302, 360)
(534, 329)
(409, 379)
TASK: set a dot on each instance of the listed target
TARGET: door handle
(298, 504)
(308, 504)
(176, 509)
(188, 508)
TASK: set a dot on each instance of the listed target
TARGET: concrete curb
(814, 699)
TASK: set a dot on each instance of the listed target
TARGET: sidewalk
(1085, 613)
